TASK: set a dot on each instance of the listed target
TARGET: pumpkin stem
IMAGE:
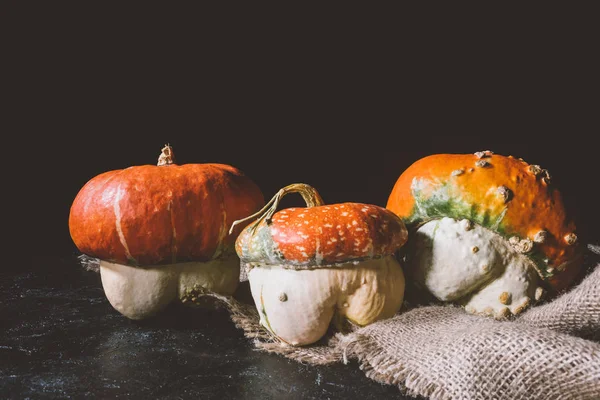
(309, 194)
(166, 156)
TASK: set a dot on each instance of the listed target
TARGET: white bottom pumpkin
(297, 306)
(140, 292)
(474, 266)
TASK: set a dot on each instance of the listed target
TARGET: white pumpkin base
(297, 306)
(467, 263)
(140, 292)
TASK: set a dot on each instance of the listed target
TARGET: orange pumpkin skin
(501, 193)
(148, 215)
(322, 235)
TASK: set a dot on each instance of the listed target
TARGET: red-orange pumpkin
(161, 232)
(147, 215)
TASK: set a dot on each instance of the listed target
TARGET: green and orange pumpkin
(504, 198)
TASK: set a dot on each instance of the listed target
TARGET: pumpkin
(161, 231)
(487, 231)
(309, 266)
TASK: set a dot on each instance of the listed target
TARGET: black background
(342, 99)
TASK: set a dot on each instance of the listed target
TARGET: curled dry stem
(309, 194)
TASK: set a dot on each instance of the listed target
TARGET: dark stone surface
(60, 338)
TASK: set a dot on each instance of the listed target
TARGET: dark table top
(60, 338)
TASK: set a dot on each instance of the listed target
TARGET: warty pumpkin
(309, 266)
(488, 231)
(161, 232)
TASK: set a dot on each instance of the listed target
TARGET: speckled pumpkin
(161, 231)
(307, 265)
(508, 198)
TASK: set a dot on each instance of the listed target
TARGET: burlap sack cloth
(440, 352)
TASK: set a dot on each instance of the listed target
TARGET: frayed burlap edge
(89, 263)
(373, 358)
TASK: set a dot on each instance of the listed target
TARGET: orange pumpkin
(162, 215)
(306, 265)
(502, 194)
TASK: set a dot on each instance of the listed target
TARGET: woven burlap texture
(441, 352)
